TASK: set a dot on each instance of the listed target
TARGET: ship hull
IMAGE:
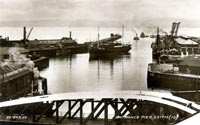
(156, 79)
(114, 50)
(172, 82)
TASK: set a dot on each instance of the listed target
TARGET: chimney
(24, 33)
(70, 34)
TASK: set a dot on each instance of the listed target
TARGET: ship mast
(157, 45)
(122, 33)
(157, 37)
(98, 37)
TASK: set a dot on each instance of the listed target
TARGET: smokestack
(70, 34)
(24, 33)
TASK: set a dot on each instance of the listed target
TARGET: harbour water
(80, 72)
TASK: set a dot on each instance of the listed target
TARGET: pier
(126, 107)
(122, 62)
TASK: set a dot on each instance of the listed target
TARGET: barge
(40, 62)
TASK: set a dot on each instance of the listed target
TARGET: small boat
(136, 38)
(142, 35)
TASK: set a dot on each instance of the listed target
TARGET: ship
(136, 38)
(142, 35)
(109, 46)
(184, 76)
(171, 47)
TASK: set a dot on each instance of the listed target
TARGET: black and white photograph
(99, 62)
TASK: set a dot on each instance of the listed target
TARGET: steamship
(171, 47)
(108, 46)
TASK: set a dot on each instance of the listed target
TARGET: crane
(175, 27)
(29, 33)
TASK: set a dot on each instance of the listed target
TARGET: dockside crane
(29, 33)
(175, 27)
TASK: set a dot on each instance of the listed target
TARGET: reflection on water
(82, 72)
(112, 62)
(108, 57)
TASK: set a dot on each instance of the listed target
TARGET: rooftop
(185, 41)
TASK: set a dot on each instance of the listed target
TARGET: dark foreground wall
(20, 123)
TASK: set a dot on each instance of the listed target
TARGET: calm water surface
(80, 72)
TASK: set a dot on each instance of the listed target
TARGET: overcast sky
(96, 12)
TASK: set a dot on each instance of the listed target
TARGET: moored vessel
(184, 76)
(109, 46)
(171, 47)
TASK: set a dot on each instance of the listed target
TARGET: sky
(97, 12)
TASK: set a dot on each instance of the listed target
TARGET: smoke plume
(17, 60)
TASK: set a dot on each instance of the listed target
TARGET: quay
(125, 105)
(46, 47)
(54, 47)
